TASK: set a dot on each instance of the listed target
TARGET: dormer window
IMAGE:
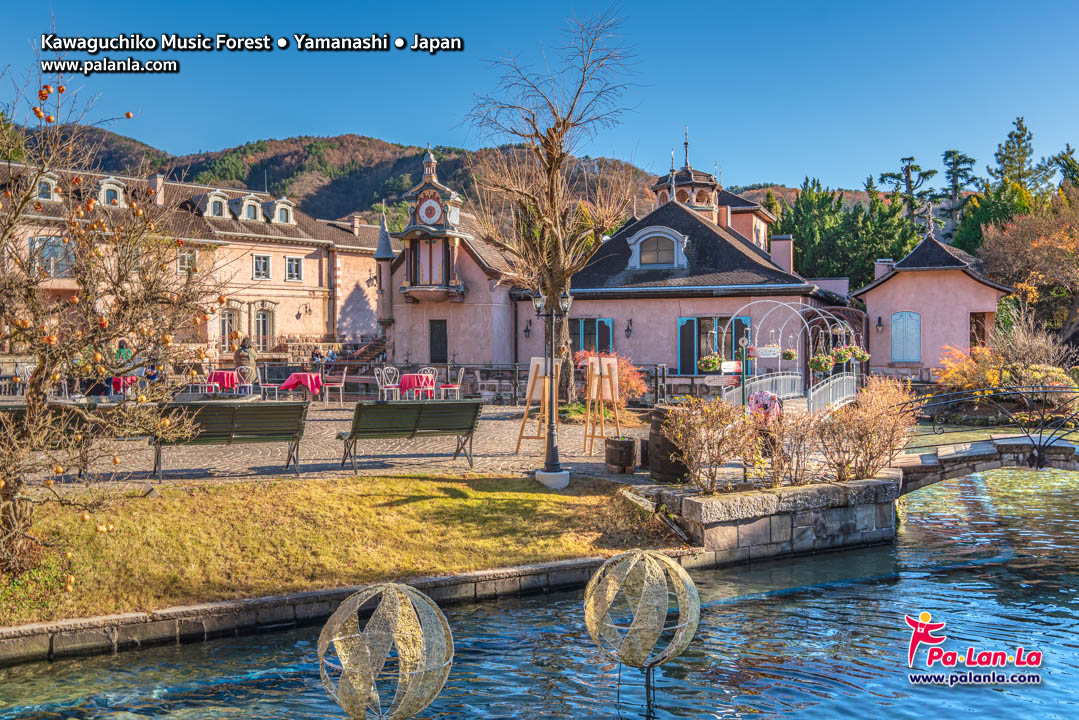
(111, 192)
(283, 215)
(252, 212)
(44, 191)
(657, 251)
(112, 197)
(217, 209)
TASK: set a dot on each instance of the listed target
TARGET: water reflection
(819, 637)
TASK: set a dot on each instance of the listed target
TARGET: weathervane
(685, 144)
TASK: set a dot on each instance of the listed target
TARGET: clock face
(430, 211)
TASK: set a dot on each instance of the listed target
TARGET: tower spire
(685, 144)
(672, 160)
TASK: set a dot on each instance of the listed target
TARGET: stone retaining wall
(785, 521)
(194, 623)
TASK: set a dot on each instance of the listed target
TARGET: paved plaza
(320, 452)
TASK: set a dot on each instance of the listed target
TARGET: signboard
(768, 351)
(731, 366)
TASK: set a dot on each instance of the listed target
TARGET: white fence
(784, 384)
(834, 392)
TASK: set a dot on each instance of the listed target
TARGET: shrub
(860, 439)
(630, 383)
(790, 441)
(979, 368)
(708, 435)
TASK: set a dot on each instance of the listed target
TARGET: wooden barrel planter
(620, 453)
(660, 465)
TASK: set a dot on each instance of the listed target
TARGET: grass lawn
(213, 542)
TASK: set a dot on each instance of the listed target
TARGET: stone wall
(746, 526)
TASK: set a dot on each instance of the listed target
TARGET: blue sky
(772, 91)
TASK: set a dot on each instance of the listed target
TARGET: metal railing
(834, 392)
(784, 384)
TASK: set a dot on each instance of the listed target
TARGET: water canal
(996, 557)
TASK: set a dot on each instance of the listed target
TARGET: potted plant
(789, 354)
(710, 363)
(859, 354)
(619, 454)
(822, 362)
(841, 354)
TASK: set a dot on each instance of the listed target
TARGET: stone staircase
(951, 461)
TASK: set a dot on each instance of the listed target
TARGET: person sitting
(316, 358)
(246, 356)
(331, 359)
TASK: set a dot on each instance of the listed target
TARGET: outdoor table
(417, 383)
(122, 383)
(224, 379)
(309, 381)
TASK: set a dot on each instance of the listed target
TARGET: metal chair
(387, 379)
(454, 388)
(328, 385)
(22, 374)
(264, 386)
(245, 380)
(428, 390)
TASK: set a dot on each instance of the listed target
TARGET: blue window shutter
(906, 337)
(741, 329)
(687, 346)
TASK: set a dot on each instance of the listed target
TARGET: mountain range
(333, 177)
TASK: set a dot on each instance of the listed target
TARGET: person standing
(246, 356)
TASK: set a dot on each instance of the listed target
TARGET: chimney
(355, 223)
(157, 184)
(782, 247)
(882, 267)
(723, 216)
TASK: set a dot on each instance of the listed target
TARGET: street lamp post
(549, 311)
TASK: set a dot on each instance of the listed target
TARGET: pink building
(666, 288)
(933, 298)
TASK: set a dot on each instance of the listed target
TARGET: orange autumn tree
(1039, 254)
(80, 274)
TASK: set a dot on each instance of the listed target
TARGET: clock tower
(432, 239)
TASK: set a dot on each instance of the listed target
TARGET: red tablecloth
(311, 381)
(119, 384)
(223, 379)
(415, 381)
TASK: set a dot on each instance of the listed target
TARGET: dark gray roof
(715, 257)
(685, 176)
(931, 253)
(384, 248)
(735, 201)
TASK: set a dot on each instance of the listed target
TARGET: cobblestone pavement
(320, 452)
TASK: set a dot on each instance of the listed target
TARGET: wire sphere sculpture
(636, 586)
(405, 646)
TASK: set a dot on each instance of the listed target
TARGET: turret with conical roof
(384, 263)
(694, 188)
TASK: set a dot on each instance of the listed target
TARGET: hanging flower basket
(858, 354)
(841, 354)
(821, 363)
(710, 363)
(789, 354)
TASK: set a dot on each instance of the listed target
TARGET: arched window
(282, 215)
(250, 212)
(263, 330)
(682, 196)
(218, 208)
(112, 197)
(44, 191)
(663, 197)
(228, 326)
(657, 251)
(702, 197)
(906, 337)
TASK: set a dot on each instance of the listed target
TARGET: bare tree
(535, 200)
(91, 288)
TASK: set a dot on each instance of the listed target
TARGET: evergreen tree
(1068, 165)
(771, 203)
(908, 183)
(1015, 161)
(995, 205)
(958, 174)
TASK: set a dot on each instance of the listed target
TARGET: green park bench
(410, 419)
(232, 423)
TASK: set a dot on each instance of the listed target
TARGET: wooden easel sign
(537, 391)
(601, 392)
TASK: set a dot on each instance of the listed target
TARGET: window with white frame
(283, 215)
(44, 190)
(51, 255)
(260, 267)
(252, 212)
(293, 269)
(657, 251)
(187, 260)
(217, 208)
(228, 327)
(263, 330)
(112, 196)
